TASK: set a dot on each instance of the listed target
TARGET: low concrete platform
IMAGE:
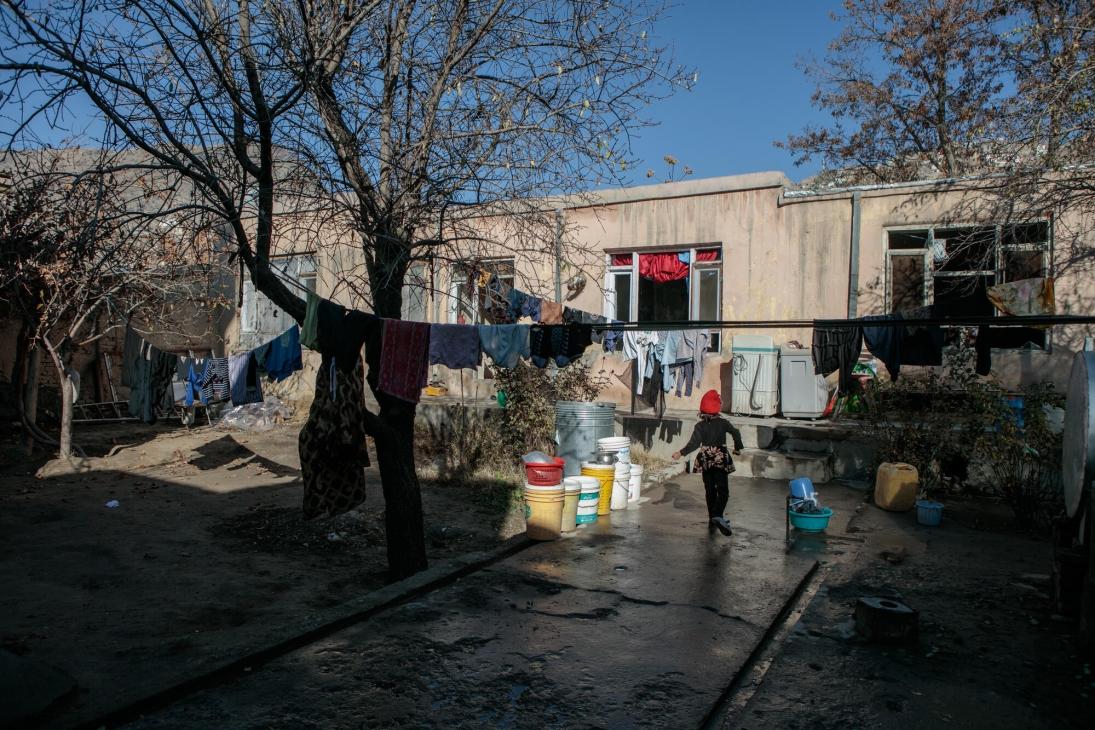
(641, 620)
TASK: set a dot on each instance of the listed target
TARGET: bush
(954, 423)
(528, 421)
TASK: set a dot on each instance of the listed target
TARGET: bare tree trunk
(394, 435)
(64, 449)
(29, 394)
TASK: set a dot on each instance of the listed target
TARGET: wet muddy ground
(205, 558)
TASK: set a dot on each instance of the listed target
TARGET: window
(415, 290)
(953, 266)
(666, 286)
(260, 319)
(468, 300)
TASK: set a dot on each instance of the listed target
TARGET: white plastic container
(755, 383)
(587, 500)
(634, 487)
(620, 445)
(620, 486)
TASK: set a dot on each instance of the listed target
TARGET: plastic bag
(257, 416)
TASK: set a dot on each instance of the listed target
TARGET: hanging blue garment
(505, 343)
(197, 371)
(281, 357)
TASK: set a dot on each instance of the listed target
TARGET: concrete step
(755, 435)
(784, 465)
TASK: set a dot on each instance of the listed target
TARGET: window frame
(295, 266)
(998, 274)
(694, 267)
(459, 277)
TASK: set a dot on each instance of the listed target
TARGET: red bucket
(545, 475)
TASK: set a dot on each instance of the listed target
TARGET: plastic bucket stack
(544, 499)
(619, 445)
(605, 475)
(543, 512)
(634, 487)
(572, 488)
(620, 485)
(588, 498)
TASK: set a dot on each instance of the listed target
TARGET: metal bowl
(604, 457)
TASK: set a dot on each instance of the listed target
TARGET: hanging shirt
(215, 383)
(243, 379)
(637, 344)
(281, 357)
(505, 344)
(404, 359)
(309, 334)
(837, 348)
(455, 345)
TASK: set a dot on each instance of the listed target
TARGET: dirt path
(206, 556)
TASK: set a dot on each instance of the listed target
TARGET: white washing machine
(755, 366)
(803, 393)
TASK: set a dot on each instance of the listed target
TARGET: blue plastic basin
(810, 522)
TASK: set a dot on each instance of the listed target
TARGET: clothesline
(1002, 321)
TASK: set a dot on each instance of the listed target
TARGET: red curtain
(621, 259)
(711, 254)
(662, 267)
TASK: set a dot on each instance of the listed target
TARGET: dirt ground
(991, 653)
(205, 557)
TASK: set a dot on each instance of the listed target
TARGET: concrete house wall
(786, 254)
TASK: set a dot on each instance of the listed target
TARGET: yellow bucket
(543, 512)
(606, 475)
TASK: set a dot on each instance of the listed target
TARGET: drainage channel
(249, 663)
(748, 678)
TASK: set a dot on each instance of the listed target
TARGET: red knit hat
(711, 403)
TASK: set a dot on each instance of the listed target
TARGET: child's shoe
(722, 525)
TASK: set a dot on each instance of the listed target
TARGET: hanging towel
(455, 345)
(637, 344)
(551, 312)
(837, 348)
(505, 344)
(309, 335)
(332, 446)
(243, 379)
(404, 359)
(281, 357)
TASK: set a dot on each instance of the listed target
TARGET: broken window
(260, 319)
(953, 266)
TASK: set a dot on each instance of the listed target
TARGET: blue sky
(749, 92)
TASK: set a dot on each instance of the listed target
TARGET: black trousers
(716, 485)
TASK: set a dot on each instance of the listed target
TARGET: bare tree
(74, 265)
(401, 123)
(913, 87)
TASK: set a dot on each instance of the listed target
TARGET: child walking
(714, 460)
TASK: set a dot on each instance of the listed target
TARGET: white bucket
(572, 484)
(620, 488)
(588, 499)
(635, 483)
(619, 445)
